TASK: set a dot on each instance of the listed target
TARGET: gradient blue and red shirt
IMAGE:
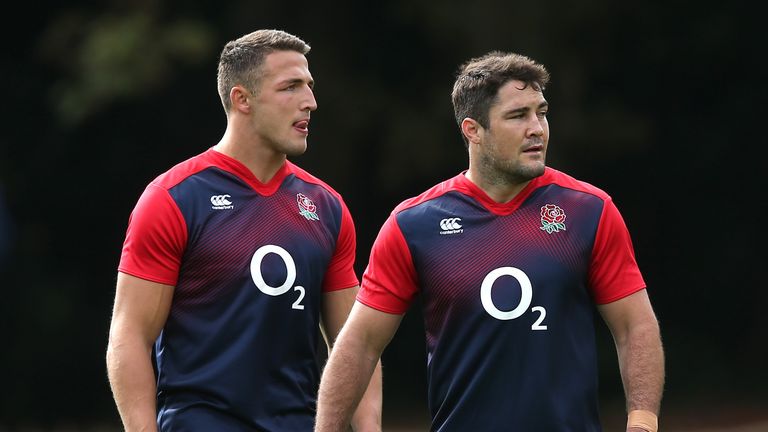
(249, 262)
(508, 294)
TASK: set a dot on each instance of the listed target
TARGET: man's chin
(296, 149)
(531, 171)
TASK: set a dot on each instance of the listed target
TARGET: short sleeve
(613, 273)
(156, 238)
(341, 269)
(389, 282)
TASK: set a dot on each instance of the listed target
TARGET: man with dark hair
(511, 258)
(231, 262)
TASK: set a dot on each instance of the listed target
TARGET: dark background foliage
(658, 104)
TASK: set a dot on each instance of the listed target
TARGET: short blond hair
(241, 59)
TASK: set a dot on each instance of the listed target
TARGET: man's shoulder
(306, 176)
(183, 170)
(554, 176)
(429, 195)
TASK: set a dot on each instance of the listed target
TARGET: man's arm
(351, 363)
(641, 357)
(336, 308)
(141, 308)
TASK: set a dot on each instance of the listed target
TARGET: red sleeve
(613, 272)
(156, 238)
(389, 282)
(341, 269)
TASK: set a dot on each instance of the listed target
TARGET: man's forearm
(641, 359)
(132, 379)
(367, 416)
(345, 379)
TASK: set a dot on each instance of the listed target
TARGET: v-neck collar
(466, 186)
(236, 167)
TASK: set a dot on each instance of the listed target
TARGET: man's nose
(309, 103)
(536, 127)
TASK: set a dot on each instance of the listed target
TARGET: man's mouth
(302, 126)
(534, 148)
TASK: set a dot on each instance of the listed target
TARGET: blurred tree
(115, 57)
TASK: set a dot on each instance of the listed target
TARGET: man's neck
(500, 192)
(263, 162)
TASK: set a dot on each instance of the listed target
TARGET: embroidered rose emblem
(552, 218)
(307, 208)
(306, 203)
(552, 213)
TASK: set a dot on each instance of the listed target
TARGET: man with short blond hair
(231, 261)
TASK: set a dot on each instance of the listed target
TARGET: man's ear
(472, 130)
(239, 97)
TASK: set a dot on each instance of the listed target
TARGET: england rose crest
(552, 218)
(307, 208)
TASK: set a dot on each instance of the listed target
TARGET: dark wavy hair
(479, 79)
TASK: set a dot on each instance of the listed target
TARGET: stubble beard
(501, 172)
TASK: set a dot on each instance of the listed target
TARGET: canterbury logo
(220, 202)
(450, 224)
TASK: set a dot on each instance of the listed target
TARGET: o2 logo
(290, 277)
(525, 297)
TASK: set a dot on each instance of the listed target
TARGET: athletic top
(508, 294)
(249, 262)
